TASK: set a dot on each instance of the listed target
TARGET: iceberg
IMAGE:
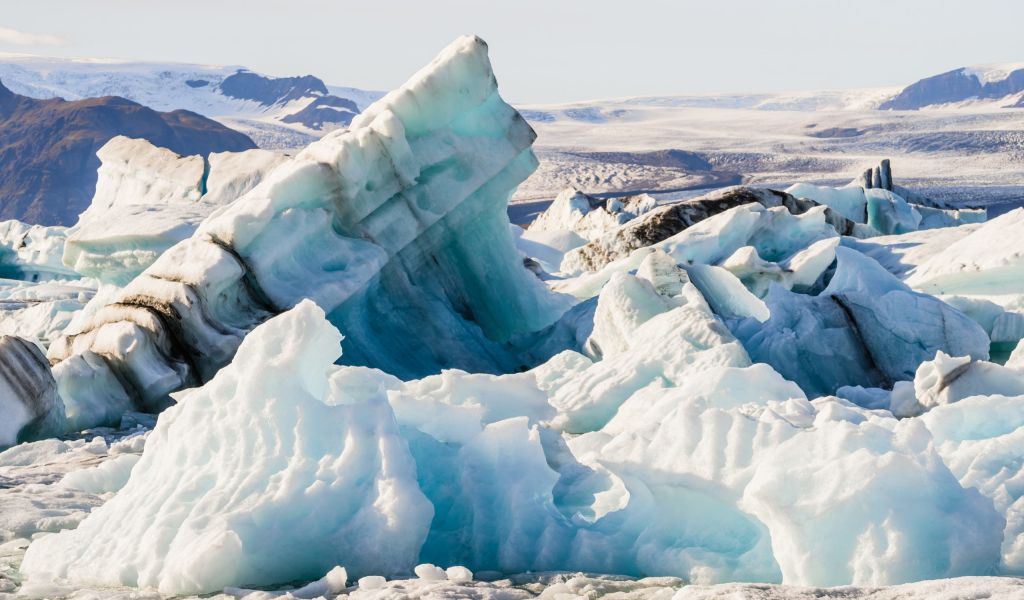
(587, 216)
(947, 379)
(396, 226)
(148, 198)
(668, 221)
(662, 405)
(33, 252)
(270, 473)
(897, 514)
(866, 328)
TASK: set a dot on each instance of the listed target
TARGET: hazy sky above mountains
(543, 50)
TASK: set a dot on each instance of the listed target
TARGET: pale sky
(543, 51)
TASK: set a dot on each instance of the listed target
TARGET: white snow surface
(992, 72)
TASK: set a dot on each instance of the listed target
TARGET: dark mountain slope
(954, 86)
(48, 148)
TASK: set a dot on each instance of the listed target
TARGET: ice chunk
(149, 198)
(870, 504)
(667, 277)
(331, 584)
(672, 220)
(899, 327)
(726, 294)
(625, 303)
(261, 476)
(430, 572)
(848, 201)
(587, 216)
(946, 379)
(890, 214)
(974, 265)
(669, 347)
(32, 252)
(459, 574)
(29, 406)
(810, 340)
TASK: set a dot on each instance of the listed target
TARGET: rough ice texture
(42, 312)
(283, 466)
(149, 198)
(980, 438)
(645, 339)
(396, 227)
(865, 329)
(32, 252)
(861, 538)
(667, 221)
(590, 217)
(267, 474)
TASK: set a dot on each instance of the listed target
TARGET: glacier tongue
(396, 227)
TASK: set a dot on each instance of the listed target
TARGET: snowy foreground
(323, 375)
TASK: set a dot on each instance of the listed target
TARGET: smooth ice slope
(971, 266)
(267, 474)
(396, 227)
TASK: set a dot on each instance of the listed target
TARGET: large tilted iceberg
(395, 226)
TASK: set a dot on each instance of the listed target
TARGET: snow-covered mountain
(1003, 83)
(277, 112)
